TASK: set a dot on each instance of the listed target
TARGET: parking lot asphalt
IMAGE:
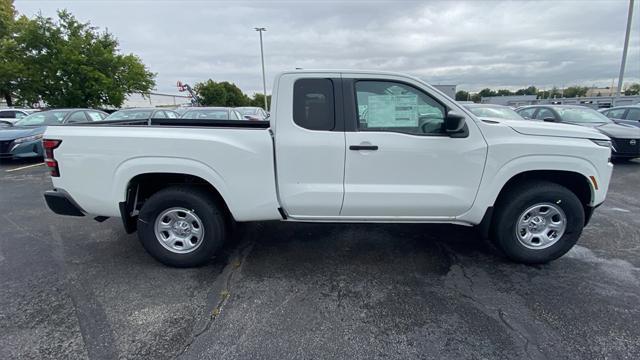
(74, 288)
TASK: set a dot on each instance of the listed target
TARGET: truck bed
(97, 161)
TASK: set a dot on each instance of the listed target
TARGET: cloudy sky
(476, 44)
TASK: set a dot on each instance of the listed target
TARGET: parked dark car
(252, 113)
(24, 138)
(142, 114)
(492, 111)
(625, 139)
(629, 114)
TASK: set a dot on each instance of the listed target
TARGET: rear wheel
(181, 226)
(537, 222)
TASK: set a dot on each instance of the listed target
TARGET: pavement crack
(221, 293)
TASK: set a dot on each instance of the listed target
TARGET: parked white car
(11, 115)
(341, 146)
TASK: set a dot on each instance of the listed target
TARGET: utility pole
(264, 80)
(626, 47)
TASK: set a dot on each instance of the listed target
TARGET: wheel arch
(143, 185)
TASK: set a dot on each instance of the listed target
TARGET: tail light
(49, 160)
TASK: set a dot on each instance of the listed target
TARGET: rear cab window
(314, 104)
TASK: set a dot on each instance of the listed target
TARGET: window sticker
(392, 111)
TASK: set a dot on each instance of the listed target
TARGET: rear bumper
(61, 203)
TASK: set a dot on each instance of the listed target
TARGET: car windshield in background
(130, 115)
(204, 114)
(579, 115)
(495, 112)
(247, 110)
(43, 118)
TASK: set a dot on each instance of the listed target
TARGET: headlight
(604, 143)
(27, 139)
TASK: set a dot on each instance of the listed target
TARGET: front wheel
(537, 222)
(181, 226)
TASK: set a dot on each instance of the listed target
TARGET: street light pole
(264, 80)
(626, 47)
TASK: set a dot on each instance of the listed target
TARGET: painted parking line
(25, 167)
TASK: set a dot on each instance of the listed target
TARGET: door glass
(171, 114)
(544, 113)
(159, 115)
(633, 114)
(95, 116)
(396, 107)
(8, 115)
(313, 104)
(527, 113)
(77, 116)
(615, 113)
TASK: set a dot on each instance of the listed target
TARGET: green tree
(633, 89)
(476, 97)
(224, 93)
(504, 92)
(575, 91)
(258, 100)
(487, 92)
(531, 90)
(462, 95)
(67, 63)
(9, 67)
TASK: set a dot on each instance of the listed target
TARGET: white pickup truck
(340, 146)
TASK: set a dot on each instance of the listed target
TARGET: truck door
(399, 160)
(309, 144)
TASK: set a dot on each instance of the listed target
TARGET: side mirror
(453, 123)
(549, 119)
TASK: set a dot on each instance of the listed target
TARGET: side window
(95, 116)
(392, 106)
(313, 104)
(159, 115)
(171, 115)
(527, 113)
(233, 115)
(615, 113)
(633, 114)
(20, 115)
(8, 115)
(544, 113)
(77, 116)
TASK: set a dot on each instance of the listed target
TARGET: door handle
(363, 147)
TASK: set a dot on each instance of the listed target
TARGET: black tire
(199, 202)
(516, 201)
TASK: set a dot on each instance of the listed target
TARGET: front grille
(5, 146)
(627, 146)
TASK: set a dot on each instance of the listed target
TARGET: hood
(618, 131)
(12, 133)
(541, 128)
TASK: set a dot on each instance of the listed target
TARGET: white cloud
(473, 44)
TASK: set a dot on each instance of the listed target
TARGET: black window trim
(355, 120)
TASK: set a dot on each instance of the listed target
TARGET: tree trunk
(7, 98)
